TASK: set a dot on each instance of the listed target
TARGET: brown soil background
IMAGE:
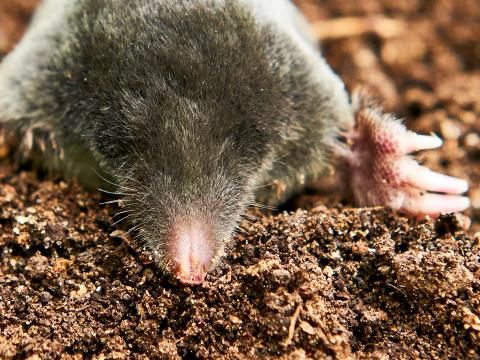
(326, 282)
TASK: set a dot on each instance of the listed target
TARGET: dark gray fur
(194, 107)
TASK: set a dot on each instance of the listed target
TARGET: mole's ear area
(383, 173)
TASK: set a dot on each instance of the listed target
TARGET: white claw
(429, 204)
(418, 142)
(423, 178)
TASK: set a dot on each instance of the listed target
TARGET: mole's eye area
(190, 251)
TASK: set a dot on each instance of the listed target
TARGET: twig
(291, 328)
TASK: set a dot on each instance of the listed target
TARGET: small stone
(450, 130)
(472, 140)
(281, 275)
(234, 320)
(81, 292)
(45, 297)
(307, 328)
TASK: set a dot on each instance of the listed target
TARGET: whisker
(122, 219)
(114, 193)
(122, 212)
(250, 219)
(136, 227)
(272, 183)
(279, 158)
(130, 179)
(114, 201)
(263, 186)
(123, 187)
(242, 230)
(141, 200)
(261, 206)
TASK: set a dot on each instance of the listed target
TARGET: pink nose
(191, 252)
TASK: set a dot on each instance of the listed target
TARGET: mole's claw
(416, 142)
(434, 204)
(382, 173)
(423, 178)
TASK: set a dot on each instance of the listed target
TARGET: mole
(198, 109)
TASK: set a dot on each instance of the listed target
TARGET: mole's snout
(191, 251)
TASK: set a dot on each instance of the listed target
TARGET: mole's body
(196, 108)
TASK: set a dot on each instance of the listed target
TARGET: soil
(322, 280)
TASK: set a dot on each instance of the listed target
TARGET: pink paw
(382, 172)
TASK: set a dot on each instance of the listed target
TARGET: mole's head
(187, 214)
(184, 119)
(186, 173)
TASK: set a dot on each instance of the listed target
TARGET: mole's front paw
(382, 172)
